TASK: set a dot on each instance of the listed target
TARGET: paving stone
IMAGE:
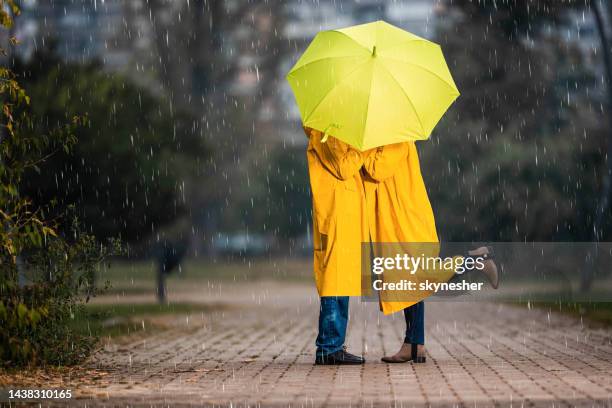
(260, 353)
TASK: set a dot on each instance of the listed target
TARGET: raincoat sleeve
(340, 159)
(382, 162)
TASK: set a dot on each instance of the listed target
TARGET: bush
(35, 316)
(136, 159)
(46, 271)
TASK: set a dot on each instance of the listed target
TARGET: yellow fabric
(399, 211)
(372, 84)
(339, 214)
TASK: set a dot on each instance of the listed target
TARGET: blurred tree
(219, 59)
(518, 19)
(288, 203)
(524, 140)
(279, 200)
(203, 45)
(606, 183)
(589, 173)
(47, 265)
(135, 160)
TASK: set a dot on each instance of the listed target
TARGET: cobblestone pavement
(260, 353)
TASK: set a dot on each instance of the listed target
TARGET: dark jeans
(415, 323)
(333, 317)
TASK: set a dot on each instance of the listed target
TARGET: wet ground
(258, 351)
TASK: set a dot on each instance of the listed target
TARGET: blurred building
(80, 30)
(576, 34)
(114, 32)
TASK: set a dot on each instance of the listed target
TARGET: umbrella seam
(407, 97)
(365, 122)
(294, 70)
(353, 40)
(452, 87)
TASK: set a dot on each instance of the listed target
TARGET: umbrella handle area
(325, 134)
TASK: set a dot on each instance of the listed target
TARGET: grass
(120, 319)
(139, 277)
(595, 312)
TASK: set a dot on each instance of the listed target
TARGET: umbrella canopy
(372, 84)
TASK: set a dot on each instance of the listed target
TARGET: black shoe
(340, 357)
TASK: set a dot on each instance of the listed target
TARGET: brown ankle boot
(490, 268)
(490, 272)
(408, 352)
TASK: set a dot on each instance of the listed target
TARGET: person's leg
(490, 268)
(489, 271)
(333, 317)
(415, 323)
(412, 348)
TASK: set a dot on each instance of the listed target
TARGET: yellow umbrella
(372, 84)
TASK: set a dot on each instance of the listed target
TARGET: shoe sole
(418, 360)
(395, 361)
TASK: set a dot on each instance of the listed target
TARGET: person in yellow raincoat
(399, 215)
(339, 228)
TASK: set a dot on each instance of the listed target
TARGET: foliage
(288, 201)
(282, 189)
(36, 317)
(8, 9)
(34, 309)
(522, 146)
(598, 313)
(277, 200)
(22, 152)
(517, 18)
(135, 157)
(109, 320)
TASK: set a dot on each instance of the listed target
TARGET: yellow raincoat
(339, 214)
(399, 211)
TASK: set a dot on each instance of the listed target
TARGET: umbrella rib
(293, 71)
(422, 68)
(365, 122)
(355, 41)
(406, 95)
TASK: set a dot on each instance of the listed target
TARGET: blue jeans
(415, 323)
(333, 317)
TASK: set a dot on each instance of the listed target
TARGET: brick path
(260, 353)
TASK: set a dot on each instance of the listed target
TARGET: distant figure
(169, 256)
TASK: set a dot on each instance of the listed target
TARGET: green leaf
(34, 317)
(22, 311)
